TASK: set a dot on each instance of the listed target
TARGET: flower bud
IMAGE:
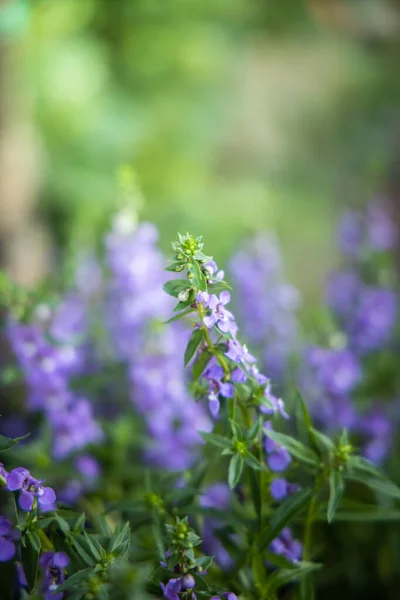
(188, 582)
(183, 295)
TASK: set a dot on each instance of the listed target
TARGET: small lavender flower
(219, 315)
(287, 546)
(53, 564)
(216, 387)
(278, 457)
(172, 589)
(31, 489)
(7, 545)
(280, 488)
(239, 353)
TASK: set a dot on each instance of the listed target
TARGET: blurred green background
(234, 114)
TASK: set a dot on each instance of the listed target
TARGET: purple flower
(273, 404)
(216, 387)
(53, 564)
(88, 466)
(239, 353)
(278, 457)
(374, 319)
(287, 546)
(31, 489)
(172, 588)
(7, 546)
(219, 315)
(280, 488)
(213, 272)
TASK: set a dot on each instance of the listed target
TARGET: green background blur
(234, 114)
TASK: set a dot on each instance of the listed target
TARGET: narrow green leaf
(200, 364)
(378, 484)
(179, 316)
(289, 508)
(176, 266)
(295, 448)
(282, 577)
(235, 470)
(198, 279)
(336, 487)
(252, 462)
(237, 432)
(75, 579)
(254, 430)
(306, 417)
(7, 443)
(324, 443)
(195, 340)
(216, 440)
(30, 561)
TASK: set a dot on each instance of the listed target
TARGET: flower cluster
(365, 308)
(53, 564)
(50, 351)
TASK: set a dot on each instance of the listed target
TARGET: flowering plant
(183, 483)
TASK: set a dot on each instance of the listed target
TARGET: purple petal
(7, 550)
(48, 496)
(210, 321)
(225, 297)
(5, 526)
(238, 376)
(26, 500)
(16, 478)
(60, 559)
(213, 301)
(226, 390)
(213, 403)
(278, 489)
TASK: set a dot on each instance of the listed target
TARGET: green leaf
(30, 560)
(180, 316)
(121, 536)
(82, 552)
(282, 577)
(237, 432)
(217, 286)
(7, 443)
(336, 487)
(198, 279)
(216, 440)
(324, 443)
(200, 364)
(255, 491)
(254, 430)
(235, 470)
(289, 508)
(93, 546)
(252, 462)
(295, 448)
(306, 418)
(195, 340)
(373, 516)
(175, 286)
(384, 486)
(362, 470)
(75, 579)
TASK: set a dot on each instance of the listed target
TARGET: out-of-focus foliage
(232, 113)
